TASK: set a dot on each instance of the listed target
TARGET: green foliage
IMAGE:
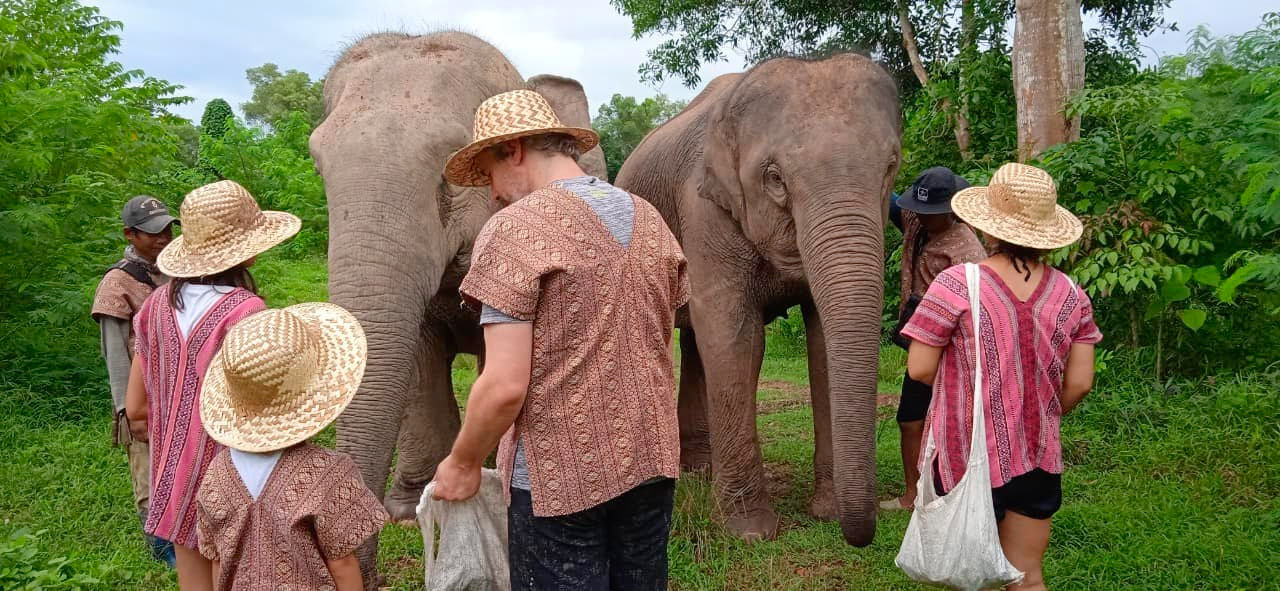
(214, 121)
(277, 95)
(22, 567)
(1178, 180)
(623, 122)
(79, 135)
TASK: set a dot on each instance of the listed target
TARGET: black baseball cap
(932, 191)
(148, 214)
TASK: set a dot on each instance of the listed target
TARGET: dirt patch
(785, 387)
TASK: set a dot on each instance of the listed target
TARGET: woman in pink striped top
(1037, 339)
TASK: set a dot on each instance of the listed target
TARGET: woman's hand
(135, 402)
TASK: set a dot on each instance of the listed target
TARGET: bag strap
(978, 433)
(138, 272)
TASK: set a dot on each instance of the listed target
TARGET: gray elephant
(400, 237)
(775, 181)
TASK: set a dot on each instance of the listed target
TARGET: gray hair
(555, 143)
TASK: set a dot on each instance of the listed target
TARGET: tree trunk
(909, 43)
(960, 119)
(968, 50)
(1048, 68)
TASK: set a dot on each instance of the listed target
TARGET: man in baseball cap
(148, 228)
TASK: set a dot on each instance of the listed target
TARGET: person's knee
(911, 428)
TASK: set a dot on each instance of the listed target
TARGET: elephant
(400, 237)
(775, 181)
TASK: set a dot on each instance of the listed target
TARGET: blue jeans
(618, 545)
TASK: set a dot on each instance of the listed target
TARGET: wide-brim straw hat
(1019, 206)
(222, 227)
(281, 376)
(505, 117)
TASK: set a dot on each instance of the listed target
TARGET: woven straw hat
(281, 376)
(222, 227)
(1019, 206)
(504, 117)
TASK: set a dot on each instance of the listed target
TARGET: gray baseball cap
(148, 214)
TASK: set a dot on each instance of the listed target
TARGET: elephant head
(570, 103)
(803, 154)
(396, 106)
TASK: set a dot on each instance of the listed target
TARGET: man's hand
(139, 430)
(456, 481)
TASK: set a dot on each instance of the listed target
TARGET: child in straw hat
(275, 512)
(179, 328)
(1037, 345)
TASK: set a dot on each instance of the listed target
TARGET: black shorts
(914, 404)
(1036, 494)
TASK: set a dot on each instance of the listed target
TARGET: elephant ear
(569, 100)
(719, 176)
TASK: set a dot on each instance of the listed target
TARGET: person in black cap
(933, 239)
(148, 228)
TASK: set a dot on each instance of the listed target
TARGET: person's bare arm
(217, 568)
(345, 572)
(922, 362)
(1078, 378)
(135, 402)
(495, 402)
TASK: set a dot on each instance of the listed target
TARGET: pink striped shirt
(1024, 351)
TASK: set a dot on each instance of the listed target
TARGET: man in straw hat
(148, 228)
(578, 283)
(1037, 336)
(272, 499)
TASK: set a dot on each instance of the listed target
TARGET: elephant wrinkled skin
(400, 237)
(775, 181)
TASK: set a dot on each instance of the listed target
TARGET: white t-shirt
(254, 469)
(196, 300)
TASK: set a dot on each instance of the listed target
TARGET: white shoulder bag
(952, 541)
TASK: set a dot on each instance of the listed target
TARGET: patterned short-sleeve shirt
(1024, 354)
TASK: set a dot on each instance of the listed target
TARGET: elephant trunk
(840, 246)
(385, 277)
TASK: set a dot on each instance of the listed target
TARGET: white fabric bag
(952, 541)
(473, 539)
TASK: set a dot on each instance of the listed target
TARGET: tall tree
(276, 94)
(1048, 69)
(623, 122)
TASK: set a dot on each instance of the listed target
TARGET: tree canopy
(276, 94)
(623, 122)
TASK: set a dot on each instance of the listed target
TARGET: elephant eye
(774, 184)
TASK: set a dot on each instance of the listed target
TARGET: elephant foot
(402, 505)
(753, 526)
(823, 504)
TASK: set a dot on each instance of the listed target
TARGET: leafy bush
(1177, 181)
(23, 568)
(79, 134)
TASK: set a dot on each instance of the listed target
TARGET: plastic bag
(953, 541)
(473, 539)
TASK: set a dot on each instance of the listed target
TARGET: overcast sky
(207, 46)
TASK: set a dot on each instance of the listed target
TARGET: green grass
(1164, 489)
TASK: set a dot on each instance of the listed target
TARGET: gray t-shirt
(618, 213)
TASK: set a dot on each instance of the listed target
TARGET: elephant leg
(695, 435)
(823, 504)
(731, 340)
(426, 434)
